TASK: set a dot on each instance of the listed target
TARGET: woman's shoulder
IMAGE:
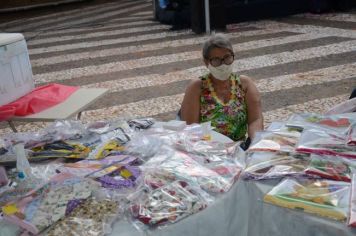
(194, 86)
(246, 81)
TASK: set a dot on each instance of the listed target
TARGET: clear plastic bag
(64, 149)
(325, 143)
(352, 216)
(103, 127)
(98, 168)
(183, 167)
(344, 107)
(276, 141)
(331, 167)
(351, 135)
(3, 177)
(142, 123)
(168, 204)
(322, 197)
(339, 122)
(267, 165)
(46, 205)
(94, 217)
(123, 178)
(105, 149)
(144, 146)
(57, 131)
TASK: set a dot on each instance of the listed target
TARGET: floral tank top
(228, 118)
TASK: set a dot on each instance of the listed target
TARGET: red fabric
(36, 101)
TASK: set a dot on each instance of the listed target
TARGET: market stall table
(242, 212)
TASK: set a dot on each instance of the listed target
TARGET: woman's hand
(190, 109)
(254, 107)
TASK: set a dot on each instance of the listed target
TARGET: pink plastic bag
(38, 100)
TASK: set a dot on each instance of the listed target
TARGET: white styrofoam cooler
(16, 77)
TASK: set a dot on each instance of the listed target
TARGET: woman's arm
(191, 105)
(254, 108)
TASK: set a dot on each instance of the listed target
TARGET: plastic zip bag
(102, 127)
(338, 123)
(98, 168)
(94, 217)
(322, 197)
(276, 141)
(144, 146)
(268, 165)
(352, 216)
(331, 167)
(58, 131)
(143, 123)
(46, 205)
(351, 135)
(168, 204)
(325, 143)
(123, 178)
(60, 149)
(183, 167)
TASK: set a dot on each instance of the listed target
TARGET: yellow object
(10, 209)
(125, 173)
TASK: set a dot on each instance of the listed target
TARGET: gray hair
(216, 41)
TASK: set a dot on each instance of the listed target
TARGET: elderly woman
(230, 101)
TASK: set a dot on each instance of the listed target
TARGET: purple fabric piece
(72, 204)
(109, 181)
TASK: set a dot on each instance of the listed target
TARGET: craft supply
(322, 197)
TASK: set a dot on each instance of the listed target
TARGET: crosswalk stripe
(313, 106)
(99, 28)
(175, 43)
(243, 64)
(148, 107)
(97, 17)
(271, 84)
(329, 16)
(269, 24)
(108, 42)
(80, 16)
(143, 13)
(67, 13)
(84, 36)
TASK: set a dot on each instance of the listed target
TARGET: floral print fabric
(228, 118)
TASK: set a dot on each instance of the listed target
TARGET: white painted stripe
(176, 43)
(62, 15)
(334, 73)
(130, 18)
(242, 64)
(94, 19)
(144, 108)
(85, 36)
(77, 14)
(159, 105)
(108, 42)
(100, 26)
(319, 106)
(268, 24)
(330, 16)
(143, 13)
